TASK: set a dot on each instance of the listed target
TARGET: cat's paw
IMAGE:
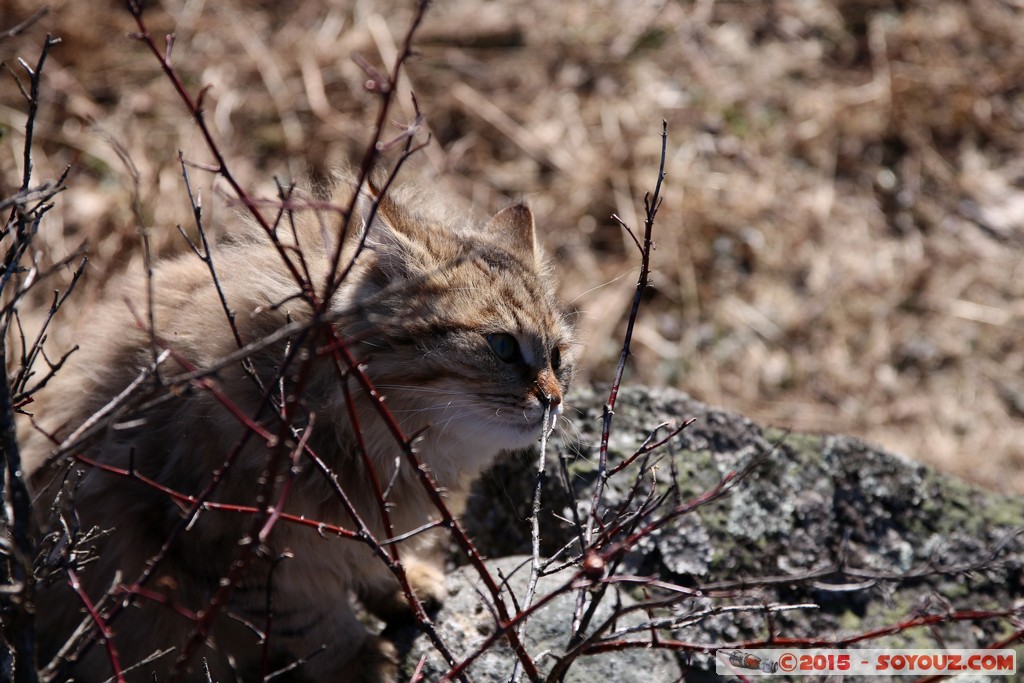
(376, 662)
(427, 581)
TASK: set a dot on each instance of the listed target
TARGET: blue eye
(505, 346)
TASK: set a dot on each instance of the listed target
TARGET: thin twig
(653, 202)
(531, 586)
(15, 501)
(18, 29)
(101, 625)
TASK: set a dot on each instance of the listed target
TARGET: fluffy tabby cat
(457, 326)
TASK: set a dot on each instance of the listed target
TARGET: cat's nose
(548, 390)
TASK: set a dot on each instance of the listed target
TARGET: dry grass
(841, 243)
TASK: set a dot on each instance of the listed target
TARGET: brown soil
(840, 247)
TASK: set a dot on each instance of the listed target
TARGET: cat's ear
(514, 227)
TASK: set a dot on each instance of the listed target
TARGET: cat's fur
(425, 307)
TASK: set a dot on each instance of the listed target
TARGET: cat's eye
(556, 358)
(505, 346)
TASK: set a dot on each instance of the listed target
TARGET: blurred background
(840, 245)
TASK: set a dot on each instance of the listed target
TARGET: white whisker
(600, 286)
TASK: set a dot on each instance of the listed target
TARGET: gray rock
(868, 538)
(466, 621)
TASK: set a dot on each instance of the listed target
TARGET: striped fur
(432, 300)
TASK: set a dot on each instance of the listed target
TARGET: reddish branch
(806, 643)
(461, 538)
(193, 503)
(604, 541)
(648, 447)
(652, 203)
(386, 88)
(106, 635)
(195, 108)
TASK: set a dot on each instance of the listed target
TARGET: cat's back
(184, 315)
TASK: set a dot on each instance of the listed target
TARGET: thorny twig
(348, 366)
(106, 635)
(839, 642)
(20, 228)
(652, 203)
(203, 252)
(531, 587)
(31, 353)
(222, 168)
(607, 536)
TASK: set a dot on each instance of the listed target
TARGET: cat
(456, 324)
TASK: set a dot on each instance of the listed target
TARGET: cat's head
(460, 328)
